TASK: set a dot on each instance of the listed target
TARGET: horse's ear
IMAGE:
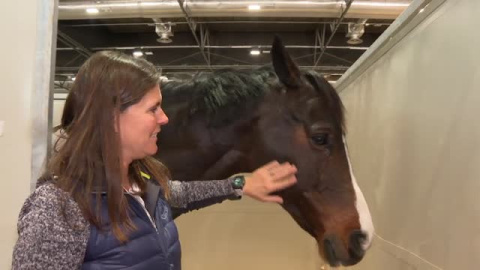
(287, 71)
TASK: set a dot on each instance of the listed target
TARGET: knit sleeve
(52, 233)
(193, 195)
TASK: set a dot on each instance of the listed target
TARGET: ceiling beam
(72, 70)
(219, 22)
(364, 48)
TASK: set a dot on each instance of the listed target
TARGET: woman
(104, 203)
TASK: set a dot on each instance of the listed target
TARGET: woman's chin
(152, 151)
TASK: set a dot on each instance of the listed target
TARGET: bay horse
(227, 122)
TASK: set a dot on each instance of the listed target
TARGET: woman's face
(139, 125)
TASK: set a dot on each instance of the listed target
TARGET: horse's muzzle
(337, 253)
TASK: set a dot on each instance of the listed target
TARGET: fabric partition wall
(414, 140)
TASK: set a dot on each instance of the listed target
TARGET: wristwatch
(238, 182)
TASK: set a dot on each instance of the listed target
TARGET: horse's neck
(226, 143)
(193, 151)
(197, 147)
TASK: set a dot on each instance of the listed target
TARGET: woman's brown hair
(89, 160)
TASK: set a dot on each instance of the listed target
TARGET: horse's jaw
(225, 166)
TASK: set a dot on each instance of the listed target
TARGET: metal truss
(320, 40)
(75, 45)
(204, 37)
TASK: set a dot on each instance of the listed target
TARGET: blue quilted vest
(148, 248)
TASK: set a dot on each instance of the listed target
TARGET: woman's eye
(320, 139)
(154, 109)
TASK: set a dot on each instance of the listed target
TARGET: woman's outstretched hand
(268, 179)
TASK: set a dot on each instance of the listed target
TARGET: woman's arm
(193, 195)
(52, 233)
(272, 177)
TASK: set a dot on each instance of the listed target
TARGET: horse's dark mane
(211, 93)
(219, 94)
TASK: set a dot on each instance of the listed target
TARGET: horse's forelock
(326, 90)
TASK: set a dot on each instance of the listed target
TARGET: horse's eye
(320, 139)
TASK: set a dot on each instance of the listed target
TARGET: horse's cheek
(300, 137)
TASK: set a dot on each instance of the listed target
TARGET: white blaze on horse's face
(366, 223)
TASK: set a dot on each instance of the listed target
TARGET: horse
(232, 121)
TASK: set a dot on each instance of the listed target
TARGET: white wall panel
(58, 105)
(245, 234)
(25, 51)
(414, 137)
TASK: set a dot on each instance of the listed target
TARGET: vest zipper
(152, 222)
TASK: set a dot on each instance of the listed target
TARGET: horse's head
(235, 121)
(301, 121)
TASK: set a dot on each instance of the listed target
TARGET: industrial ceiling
(184, 37)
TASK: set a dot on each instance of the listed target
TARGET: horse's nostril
(330, 252)
(357, 238)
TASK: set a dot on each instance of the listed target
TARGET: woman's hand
(268, 179)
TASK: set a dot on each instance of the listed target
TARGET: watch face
(238, 182)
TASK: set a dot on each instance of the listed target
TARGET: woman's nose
(163, 118)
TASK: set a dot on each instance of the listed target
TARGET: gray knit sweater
(53, 234)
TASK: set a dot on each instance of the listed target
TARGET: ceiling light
(148, 53)
(254, 7)
(92, 10)
(355, 41)
(164, 38)
(355, 32)
(164, 31)
(137, 53)
(255, 52)
(73, 79)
